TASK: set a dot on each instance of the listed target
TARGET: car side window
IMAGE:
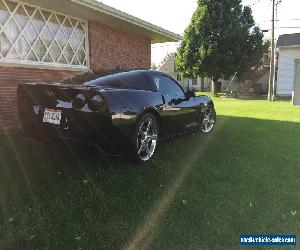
(156, 81)
(168, 87)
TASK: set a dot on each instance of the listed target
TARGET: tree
(221, 40)
(257, 70)
(251, 77)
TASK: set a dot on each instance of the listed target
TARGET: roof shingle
(288, 40)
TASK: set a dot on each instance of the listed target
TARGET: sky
(175, 15)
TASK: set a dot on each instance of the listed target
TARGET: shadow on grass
(198, 191)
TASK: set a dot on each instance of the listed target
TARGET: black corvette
(121, 113)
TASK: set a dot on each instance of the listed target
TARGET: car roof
(152, 72)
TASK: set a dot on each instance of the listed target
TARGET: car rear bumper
(74, 126)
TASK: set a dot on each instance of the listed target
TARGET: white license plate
(52, 116)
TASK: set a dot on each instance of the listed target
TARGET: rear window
(127, 80)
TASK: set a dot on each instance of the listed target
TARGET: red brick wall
(109, 49)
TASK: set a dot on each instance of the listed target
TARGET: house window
(31, 34)
(195, 81)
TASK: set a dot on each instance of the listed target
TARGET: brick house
(47, 41)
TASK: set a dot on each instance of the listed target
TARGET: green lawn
(199, 192)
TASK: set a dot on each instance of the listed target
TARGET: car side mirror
(190, 93)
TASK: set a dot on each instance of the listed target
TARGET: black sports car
(121, 113)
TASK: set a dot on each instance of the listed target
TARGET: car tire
(145, 138)
(209, 121)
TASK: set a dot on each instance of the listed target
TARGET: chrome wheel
(208, 121)
(147, 138)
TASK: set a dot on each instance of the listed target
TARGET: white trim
(87, 46)
(37, 65)
(22, 35)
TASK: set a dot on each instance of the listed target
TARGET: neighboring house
(49, 40)
(261, 86)
(169, 68)
(288, 46)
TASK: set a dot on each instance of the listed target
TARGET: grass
(199, 192)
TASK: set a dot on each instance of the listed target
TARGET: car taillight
(79, 101)
(96, 103)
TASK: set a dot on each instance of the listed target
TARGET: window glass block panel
(22, 47)
(60, 18)
(32, 57)
(34, 34)
(73, 22)
(30, 10)
(30, 34)
(74, 41)
(11, 30)
(21, 16)
(82, 25)
(79, 33)
(38, 21)
(4, 14)
(47, 36)
(81, 55)
(67, 28)
(62, 60)
(53, 24)
(55, 51)
(46, 14)
(39, 49)
(83, 42)
(5, 45)
(69, 53)
(75, 61)
(11, 5)
(47, 58)
(61, 38)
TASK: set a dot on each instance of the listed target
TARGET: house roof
(288, 40)
(169, 65)
(93, 10)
